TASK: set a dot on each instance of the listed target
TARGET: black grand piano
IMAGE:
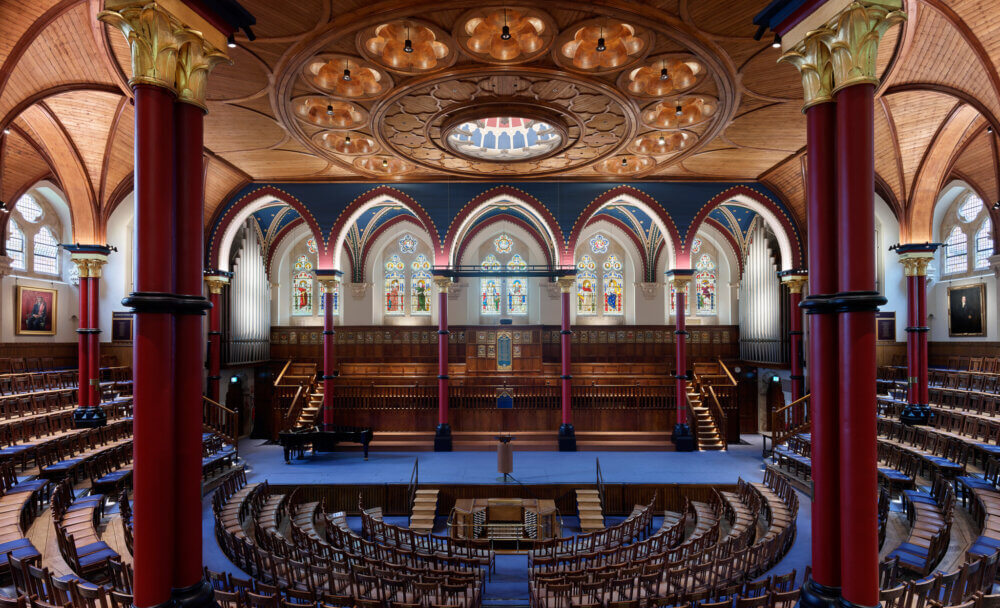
(294, 442)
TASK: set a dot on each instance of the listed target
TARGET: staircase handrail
(281, 374)
(414, 482)
(295, 409)
(790, 420)
(692, 423)
(600, 483)
(732, 380)
(720, 416)
(221, 420)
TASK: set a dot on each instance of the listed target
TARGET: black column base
(442, 438)
(199, 595)
(89, 417)
(567, 438)
(682, 438)
(849, 604)
(915, 413)
(815, 595)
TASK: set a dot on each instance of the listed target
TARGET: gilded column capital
(680, 282)
(154, 38)
(328, 284)
(216, 283)
(195, 60)
(89, 264)
(795, 282)
(443, 283)
(854, 38)
(915, 262)
(82, 266)
(566, 283)
(94, 266)
(811, 57)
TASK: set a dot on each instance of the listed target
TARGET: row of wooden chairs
(36, 404)
(69, 456)
(931, 517)
(76, 520)
(941, 454)
(476, 550)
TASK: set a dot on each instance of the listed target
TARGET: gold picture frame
(36, 309)
(967, 310)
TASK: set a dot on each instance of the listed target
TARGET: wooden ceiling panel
(120, 154)
(17, 18)
(917, 116)
(735, 20)
(276, 164)
(221, 180)
(781, 126)
(87, 116)
(733, 163)
(284, 20)
(787, 178)
(978, 163)
(232, 129)
(887, 162)
(983, 21)
(886, 49)
(765, 77)
(246, 76)
(22, 165)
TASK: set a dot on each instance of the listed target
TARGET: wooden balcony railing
(219, 419)
(790, 420)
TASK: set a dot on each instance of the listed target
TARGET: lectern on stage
(505, 451)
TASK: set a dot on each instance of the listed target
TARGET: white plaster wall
(893, 285)
(67, 309)
(116, 280)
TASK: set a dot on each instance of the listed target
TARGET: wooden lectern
(505, 455)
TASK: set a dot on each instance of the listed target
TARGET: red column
(857, 302)
(153, 353)
(681, 278)
(215, 280)
(795, 280)
(329, 287)
(824, 374)
(567, 434)
(442, 434)
(94, 337)
(188, 583)
(915, 258)
(83, 350)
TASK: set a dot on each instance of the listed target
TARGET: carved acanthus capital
(795, 282)
(854, 38)
(915, 262)
(216, 283)
(680, 282)
(566, 283)
(89, 264)
(811, 57)
(328, 284)
(196, 59)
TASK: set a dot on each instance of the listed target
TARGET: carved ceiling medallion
(663, 75)
(504, 34)
(348, 77)
(602, 45)
(663, 142)
(684, 111)
(329, 113)
(428, 122)
(346, 142)
(624, 165)
(408, 46)
(383, 165)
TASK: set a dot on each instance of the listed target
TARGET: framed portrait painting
(121, 327)
(35, 311)
(967, 310)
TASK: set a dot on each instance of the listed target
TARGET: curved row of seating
(638, 523)
(76, 520)
(931, 517)
(473, 550)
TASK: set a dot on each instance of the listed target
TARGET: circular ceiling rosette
(504, 34)
(680, 112)
(408, 46)
(347, 77)
(383, 165)
(660, 143)
(628, 164)
(346, 142)
(600, 46)
(329, 113)
(663, 76)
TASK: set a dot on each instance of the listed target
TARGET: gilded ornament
(854, 39)
(215, 284)
(795, 282)
(328, 284)
(915, 263)
(154, 37)
(812, 58)
(196, 59)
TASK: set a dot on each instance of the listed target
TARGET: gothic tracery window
(704, 286)
(420, 283)
(586, 282)
(395, 285)
(984, 245)
(956, 252)
(517, 289)
(613, 286)
(302, 287)
(15, 245)
(489, 292)
(45, 253)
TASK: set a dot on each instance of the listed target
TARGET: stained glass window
(45, 253)
(407, 244)
(984, 245)
(613, 286)
(695, 246)
(395, 286)
(420, 283)
(704, 286)
(956, 252)
(586, 282)
(311, 245)
(29, 208)
(599, 244)
(971, 208)
(490, 288)
(503, 243)
(517, 288)
(336, 302)
(15, 245)
(302, 287)
(673, 301)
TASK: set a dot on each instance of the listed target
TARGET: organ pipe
(250, 303)
(760, 292)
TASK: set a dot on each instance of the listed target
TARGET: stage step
(424, 510)
(524, 441)
(588, 507)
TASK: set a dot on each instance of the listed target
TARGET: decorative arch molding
(775, 217)
(329, 256)
(728, 237)
(220, 240)
(285, 232)
(503, 217)
(630, 233)
(117, 195)
(519, 198)
(632, 196)
(368, 248)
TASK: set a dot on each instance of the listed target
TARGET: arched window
(984, 245)
(302, 287)
(420, 283)
(517, 287)
(311, 245)
(395, 286)
(695, 246)
(15, 245)
(29, 208)
(45, 253)
(970, 208)
(956, 252)
(489, 291)
(704, 286)
(586, 283)
(613, 286)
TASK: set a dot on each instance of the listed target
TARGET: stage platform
(536, 473)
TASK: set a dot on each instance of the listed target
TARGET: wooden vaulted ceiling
(65, 100)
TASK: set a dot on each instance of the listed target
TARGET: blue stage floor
(265, 462)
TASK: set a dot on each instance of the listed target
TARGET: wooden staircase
(309, 416)
(708, 435)
(588, 507)
(424, 510)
